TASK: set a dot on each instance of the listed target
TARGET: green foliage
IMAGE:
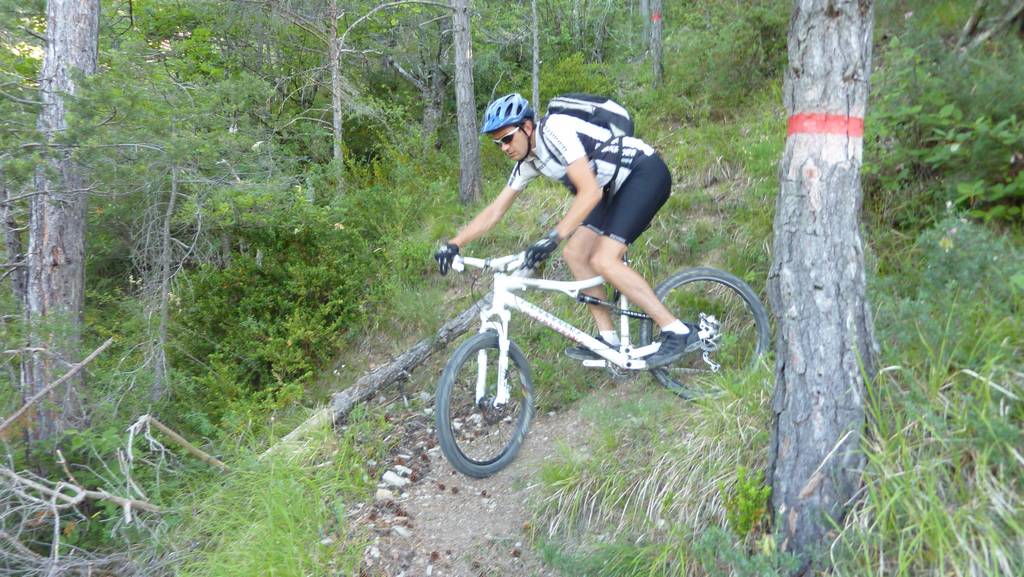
(268, 320)
(719, 556)
(728, 51)
(948, 128)
(573, 74)
(747, 506)
(286, 514)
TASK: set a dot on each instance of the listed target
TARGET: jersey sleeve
(561, 140)
(521, 175)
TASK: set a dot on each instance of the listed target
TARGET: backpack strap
(618, 161)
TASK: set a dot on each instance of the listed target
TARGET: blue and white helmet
(508, 110)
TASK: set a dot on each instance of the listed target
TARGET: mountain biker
(602, 221)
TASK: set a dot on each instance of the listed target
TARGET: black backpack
(598, 110)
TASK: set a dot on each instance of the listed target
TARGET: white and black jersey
(563, 139)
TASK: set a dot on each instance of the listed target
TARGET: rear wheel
(478, 437)
(743, 333)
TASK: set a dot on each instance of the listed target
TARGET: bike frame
(498, 315)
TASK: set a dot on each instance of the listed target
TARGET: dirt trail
(443, 523)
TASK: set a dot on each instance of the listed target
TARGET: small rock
(392, 478)
(383, 494)
(375, 552)
(327, 540)
(430, 570)
(403, 470)
(425, 396)
(401, 531)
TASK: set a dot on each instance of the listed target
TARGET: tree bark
(160, 362)
(471, 173)
(435, 106)
(12, 242)
(56, 245)
(656, 29)
(825, 344)
(645, 15)
(535, 26)
(334, 53)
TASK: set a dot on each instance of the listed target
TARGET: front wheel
(478, 436)
(743, 332)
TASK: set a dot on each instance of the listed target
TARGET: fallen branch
(47, 389)
(398, 369)
(171, 434)
(1012, 14)
(80, 494)
(393, 372)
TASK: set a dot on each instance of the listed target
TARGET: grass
(659, 471)
(286, 515)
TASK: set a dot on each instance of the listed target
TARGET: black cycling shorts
(630, 211)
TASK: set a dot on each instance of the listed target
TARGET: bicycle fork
(496, 321)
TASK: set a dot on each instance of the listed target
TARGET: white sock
(610, 337)
(676, 326)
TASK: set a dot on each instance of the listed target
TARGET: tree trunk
(334, 53)
(817, 279)
(433, 109)
(645, 15)
(12, 242)
(160, 362)
(536, 56)
(656, 20)
(56, 245)
(470, 178)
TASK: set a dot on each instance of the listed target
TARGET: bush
(944, 128)
(730, 51)
(573, 74)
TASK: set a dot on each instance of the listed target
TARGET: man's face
(512, 140)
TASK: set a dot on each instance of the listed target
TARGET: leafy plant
(746, 506)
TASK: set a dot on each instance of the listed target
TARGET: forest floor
(443, 523)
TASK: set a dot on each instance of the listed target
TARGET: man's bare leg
(607, 261)
(578, 253)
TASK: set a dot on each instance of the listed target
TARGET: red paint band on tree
(656, 17)
(814, 123)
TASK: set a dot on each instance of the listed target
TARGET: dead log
(396, 371)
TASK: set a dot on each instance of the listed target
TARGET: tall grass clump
(944, 479)
(285, 514)
(660, 474)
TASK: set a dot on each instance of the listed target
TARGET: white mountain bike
(484, 399)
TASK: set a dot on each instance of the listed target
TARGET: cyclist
(605, 217)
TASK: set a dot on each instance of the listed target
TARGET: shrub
(945, 128)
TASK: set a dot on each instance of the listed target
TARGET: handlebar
(506, 264)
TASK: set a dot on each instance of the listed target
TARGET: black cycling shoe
(673, 346)
(582, 353)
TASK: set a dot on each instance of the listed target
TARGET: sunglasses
(507, 139)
